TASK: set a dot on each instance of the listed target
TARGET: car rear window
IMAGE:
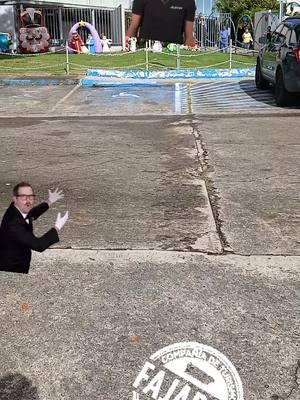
(297, 34)
(293, 36)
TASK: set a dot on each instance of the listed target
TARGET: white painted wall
(91, 3)
(7, 19)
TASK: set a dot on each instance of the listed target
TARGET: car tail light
(297, 54)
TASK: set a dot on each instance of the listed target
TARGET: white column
(123, 26)
(93, 17)
(280, 10)
(60, 24)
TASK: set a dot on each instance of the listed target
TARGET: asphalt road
(184, 227)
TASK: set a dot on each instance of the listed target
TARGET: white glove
(54, 196)
(60, 221)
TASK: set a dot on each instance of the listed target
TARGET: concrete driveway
(183, 228)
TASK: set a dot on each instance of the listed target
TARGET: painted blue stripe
(89, 82)
(38, 82)
(173, 74)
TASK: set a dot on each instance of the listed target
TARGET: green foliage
(238, 8)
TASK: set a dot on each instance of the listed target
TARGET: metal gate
(207, 28)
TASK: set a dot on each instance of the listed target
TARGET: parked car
(278, 62)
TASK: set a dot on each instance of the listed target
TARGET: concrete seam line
(189, 98)
(212, 192)
(65, 97)
(207, 116)
(72, 115)
(179, 251)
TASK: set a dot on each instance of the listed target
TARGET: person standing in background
(170, 21)
(269, 34)
(247, 39)
(224, 39)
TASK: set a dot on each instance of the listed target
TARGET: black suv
(278, 62)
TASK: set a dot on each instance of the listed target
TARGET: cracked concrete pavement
(83, 323)
(127, 187)
(157, 204)
(253, 170)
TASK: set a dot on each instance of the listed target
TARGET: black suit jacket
(17, 239)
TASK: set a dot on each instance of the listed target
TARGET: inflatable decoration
(106, 43)
(77, 44)
(97, 41)
(172, 47)
(33, 38)
(90, 44)
(132, 44)
(157, 47)
(245, 19)
(5, 42)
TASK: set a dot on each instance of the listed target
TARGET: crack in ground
(213, 196)
(174, 250)
(187, 250)
(295, 385)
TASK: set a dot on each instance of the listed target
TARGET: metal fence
(107, 21)
(208, 27)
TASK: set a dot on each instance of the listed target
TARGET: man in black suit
(16, 231)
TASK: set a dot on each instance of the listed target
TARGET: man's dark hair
(19, 185)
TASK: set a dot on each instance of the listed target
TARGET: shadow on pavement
(262, 96)
(17, 387)
(266, 96)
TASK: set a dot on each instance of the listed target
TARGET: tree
(238, 8)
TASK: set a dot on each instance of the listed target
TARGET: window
(297, 33)
(280, 34)
(277, 38)
(293, 38)
(285, 30)
(278, 29)
(274, 37)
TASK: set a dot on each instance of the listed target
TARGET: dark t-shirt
(164, 20)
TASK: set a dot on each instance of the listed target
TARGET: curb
(123, 82)
(173, 74)
(38, 82)
(95, 77)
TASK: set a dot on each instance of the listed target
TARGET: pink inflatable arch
(94, 33)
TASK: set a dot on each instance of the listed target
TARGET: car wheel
(260, 81)
(282, 96)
